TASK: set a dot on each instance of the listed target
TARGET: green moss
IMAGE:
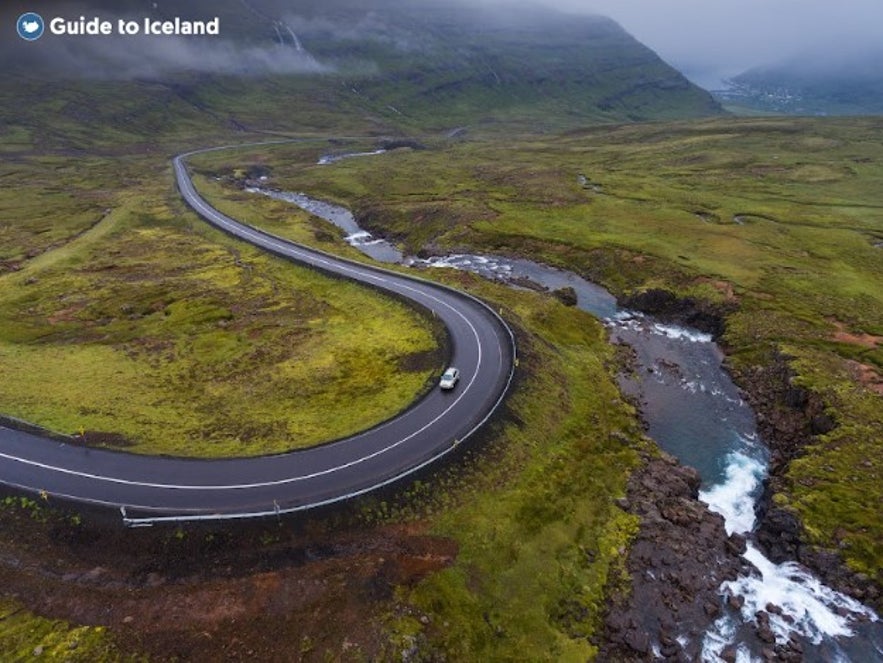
(835, 486)
(26, 637)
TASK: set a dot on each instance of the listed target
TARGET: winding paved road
(153, 489)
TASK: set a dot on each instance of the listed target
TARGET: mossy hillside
(385, 67)
(783, 216)
(836, 483)
(165, 116)
(46, 201)
(143, 325)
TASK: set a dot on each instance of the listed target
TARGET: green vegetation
(540, 537)
(531, 505)
(836, 485)
(126, 318)
(280, 218)
(136, 329)
(25, 637)
(387, 66)
(783, 216)
(441, 65)
(66, 206)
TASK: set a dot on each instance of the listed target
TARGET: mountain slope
(379, 64)
(463, 61)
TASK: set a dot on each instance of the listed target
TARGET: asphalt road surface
(150, 489)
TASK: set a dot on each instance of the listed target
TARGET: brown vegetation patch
(866, 375)
(417, 362)
(843, 335)
(68, 314)
(723, 287)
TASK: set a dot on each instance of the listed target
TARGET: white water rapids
(797, 603)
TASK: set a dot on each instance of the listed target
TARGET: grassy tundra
(131, 320)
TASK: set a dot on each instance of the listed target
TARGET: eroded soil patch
(272, 591)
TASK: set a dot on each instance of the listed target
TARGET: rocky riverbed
(678, 561)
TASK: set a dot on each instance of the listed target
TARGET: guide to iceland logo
(30, 26)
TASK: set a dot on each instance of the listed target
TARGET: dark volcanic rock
(780, 535)
(668, 307)
(566, 296)
(735, 601)
(785, 413)
(729, 654)
(677, 562)
(764, 631)
(737, 544)
(398, 143)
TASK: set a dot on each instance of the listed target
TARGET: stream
(694, 412)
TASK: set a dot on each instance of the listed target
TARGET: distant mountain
(469, 59)
(826, 84)
(429, 65)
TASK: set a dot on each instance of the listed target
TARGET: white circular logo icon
(30, 26)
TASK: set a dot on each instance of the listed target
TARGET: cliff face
(790, 420)
(446, 58)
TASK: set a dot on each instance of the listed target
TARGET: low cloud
(117, 57)
(714, 39)
(120, 58)
(140, 57)
(366, 26)
(707, 39)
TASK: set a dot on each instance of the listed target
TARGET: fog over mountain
(433, 64)
(710, 40)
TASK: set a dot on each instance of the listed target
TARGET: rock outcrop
(677, 563)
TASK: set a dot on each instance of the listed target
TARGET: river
(694, 412)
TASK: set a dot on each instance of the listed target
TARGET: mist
(123, 58)
(711, 40)
(130, 57)
(707, 40)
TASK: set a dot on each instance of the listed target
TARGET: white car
(449, 378)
